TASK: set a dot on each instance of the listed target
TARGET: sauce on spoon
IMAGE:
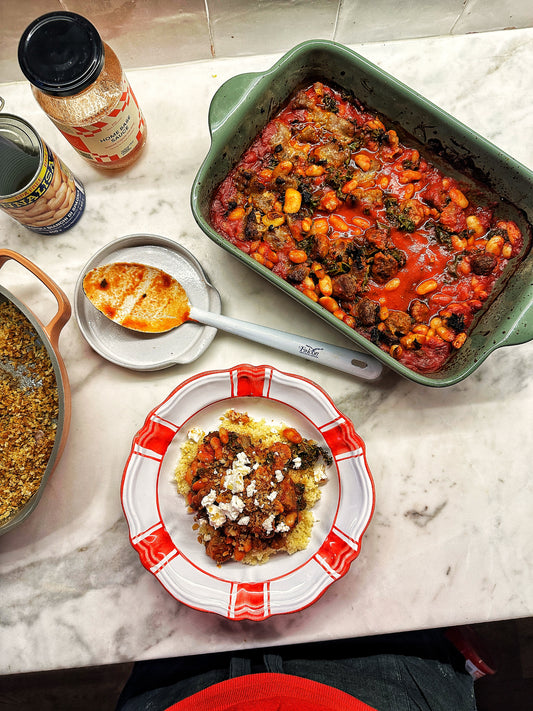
(137, 296)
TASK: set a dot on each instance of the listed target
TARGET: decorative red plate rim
(292, 589)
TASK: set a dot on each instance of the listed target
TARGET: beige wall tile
(154, 32)
(383, 20)
(150, 32)
(142, 32)
(241, 27)
(486, 15)
(15, 16)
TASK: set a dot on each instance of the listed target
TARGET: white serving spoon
(147, 299)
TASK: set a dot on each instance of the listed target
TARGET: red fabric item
(270, 692)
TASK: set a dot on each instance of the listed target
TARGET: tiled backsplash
(153, 32)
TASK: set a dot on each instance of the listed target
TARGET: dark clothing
(418, 671)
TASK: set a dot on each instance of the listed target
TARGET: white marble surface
(450, 541)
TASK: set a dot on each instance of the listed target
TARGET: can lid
(61, 53)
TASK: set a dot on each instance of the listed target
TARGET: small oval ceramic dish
(144, 351)
(161, 529)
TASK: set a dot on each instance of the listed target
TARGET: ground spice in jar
(79, 83)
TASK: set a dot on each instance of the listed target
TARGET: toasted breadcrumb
(29, 412)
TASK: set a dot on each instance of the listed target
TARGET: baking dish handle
(228, 97)
(53, 329)
(522, 330)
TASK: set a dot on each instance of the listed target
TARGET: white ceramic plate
(148, 351)
(161, 529)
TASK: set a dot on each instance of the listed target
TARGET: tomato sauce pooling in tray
(334, 203)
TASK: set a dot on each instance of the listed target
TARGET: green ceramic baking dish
(244, 104)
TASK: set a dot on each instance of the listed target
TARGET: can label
(52, 202)
(114, 135)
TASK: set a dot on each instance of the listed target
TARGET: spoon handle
(344, 359)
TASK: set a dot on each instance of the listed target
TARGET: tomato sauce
(332, 201)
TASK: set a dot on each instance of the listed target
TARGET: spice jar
(79, 83)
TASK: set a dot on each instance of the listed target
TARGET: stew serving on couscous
(251, 486)
(332, 201)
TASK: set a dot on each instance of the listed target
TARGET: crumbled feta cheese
(195, 434)
(272, 495)
(241, 463)
(282, 528)
(217, 518)
(268, 523)
(251, 489)
(209, 498)
(244, 521)
(234, 479)
(258, 504)
(320, 475)
(297, 462)
(233, 509)
(279, 475)
(237, 503)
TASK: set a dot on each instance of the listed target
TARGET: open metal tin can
(36, 188)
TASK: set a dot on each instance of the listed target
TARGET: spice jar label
(114, 135)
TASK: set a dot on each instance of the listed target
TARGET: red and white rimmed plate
(161, 529)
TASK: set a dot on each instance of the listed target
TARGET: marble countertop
(450, 541)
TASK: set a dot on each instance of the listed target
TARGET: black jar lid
(61, 53)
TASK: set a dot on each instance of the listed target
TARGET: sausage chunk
(398, 323)
(345, 287)
(331, 153)
(483, 263)
(366, 312)
(297, 273)
(379, 237)
(384, 267)
(253, 226)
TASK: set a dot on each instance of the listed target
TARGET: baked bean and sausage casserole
(333, 201)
